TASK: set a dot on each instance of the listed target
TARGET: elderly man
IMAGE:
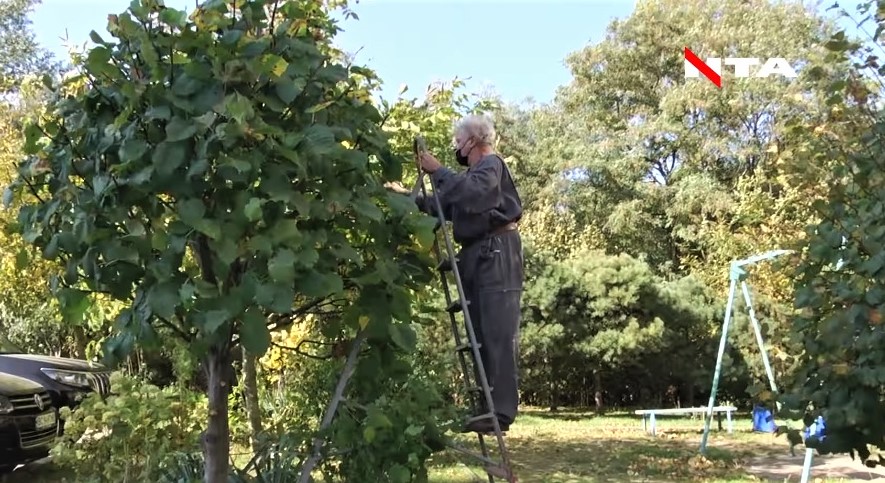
(483, 205)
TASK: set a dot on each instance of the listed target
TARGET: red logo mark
(703, 68)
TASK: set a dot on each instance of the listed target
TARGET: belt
(503, 229)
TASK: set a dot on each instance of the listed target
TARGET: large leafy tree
(221, 173)
(839, 288)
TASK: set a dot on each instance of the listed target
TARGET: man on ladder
(484, 207)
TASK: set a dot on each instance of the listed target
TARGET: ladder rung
(481, 417)
(466, 346)
(485, 459)
(445, 265)
(456, 306)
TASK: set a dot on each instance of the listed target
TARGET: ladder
(477, 387)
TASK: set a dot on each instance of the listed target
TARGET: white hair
(477, 126)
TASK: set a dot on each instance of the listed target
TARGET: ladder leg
(462, 303)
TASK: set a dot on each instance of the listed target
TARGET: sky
(516, 48)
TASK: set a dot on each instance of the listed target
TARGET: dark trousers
(492, 273)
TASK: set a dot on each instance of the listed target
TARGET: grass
(579, 447)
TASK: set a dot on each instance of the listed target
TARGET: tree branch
(349, 368)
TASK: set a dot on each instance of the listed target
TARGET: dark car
(67, 380)
(28, 422)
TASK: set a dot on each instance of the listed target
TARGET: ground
(579, 447)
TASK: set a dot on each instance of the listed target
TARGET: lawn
(579, 447)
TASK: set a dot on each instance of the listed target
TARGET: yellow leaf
(364, 321)
(840, 369)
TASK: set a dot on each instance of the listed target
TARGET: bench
(648, 415)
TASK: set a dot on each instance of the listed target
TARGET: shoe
(484, 426)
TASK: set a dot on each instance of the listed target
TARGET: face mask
(462, 159)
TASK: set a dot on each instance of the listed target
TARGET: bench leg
(645, 422)
(730, 422)
(719, 420)
(652, 418)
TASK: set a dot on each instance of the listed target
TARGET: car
(67, 380)
(28, 422)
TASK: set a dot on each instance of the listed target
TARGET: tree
(222, 173)
(667, 159)
(839, 289)
(593, 311)
(20, 55)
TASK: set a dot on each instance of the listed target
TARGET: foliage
(20, 55)
(839, 285)
(212, 171)
(131, 434)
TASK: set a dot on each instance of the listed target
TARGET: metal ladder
(477, 387)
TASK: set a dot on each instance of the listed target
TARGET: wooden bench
(648, 415)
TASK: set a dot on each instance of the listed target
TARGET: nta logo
(712, 68)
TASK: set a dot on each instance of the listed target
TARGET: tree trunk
(80, 342)
(597, 385)
(216, 438)
(250, 392)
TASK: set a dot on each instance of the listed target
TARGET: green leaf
(163, 298)
(8, 196)
(253, 209)
(319, 139)
(399, 474)
(97, 58)
(191, 211)
(158, 113)
(285, 231)
(132, 149)
(213, 320)
(281, 267)
(403, 336)
(260, 244)
(401, 304)
(365, 207)
(316, 284)
(400, 205)
(369, 434)
(275, 64)
(238, 107)
(93, 35)
(168, 156)
(287, 90)
(226, 248)
(231, 37)
(179, 129)
(74, 304)
(173, 17)
(276, 297)
(254, 334)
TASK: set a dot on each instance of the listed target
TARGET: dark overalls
(483, 205)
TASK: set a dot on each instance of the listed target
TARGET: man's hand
(397, 187)
(428, 163)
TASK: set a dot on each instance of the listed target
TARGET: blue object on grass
(817, 429)
(763, 420)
